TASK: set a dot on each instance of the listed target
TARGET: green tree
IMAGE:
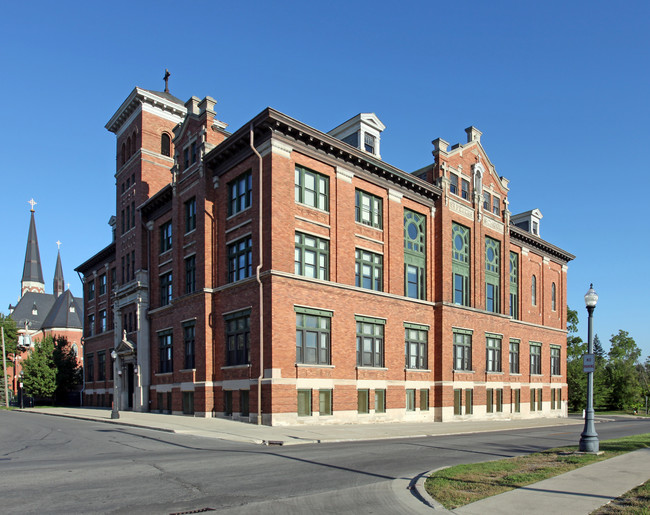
(68, 372)
(39, 371)
(622, 373)
(11, 338)
(598, 349)
(576, 378)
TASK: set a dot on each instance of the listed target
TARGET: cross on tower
(166, 79)
(58, 245)
(32, 203)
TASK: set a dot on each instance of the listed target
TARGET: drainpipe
(257, 275)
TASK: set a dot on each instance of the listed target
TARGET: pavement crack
(192, 488)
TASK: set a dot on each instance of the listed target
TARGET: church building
(279, 274)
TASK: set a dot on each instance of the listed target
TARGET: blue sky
(559, 89)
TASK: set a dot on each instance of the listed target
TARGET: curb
(421, 491)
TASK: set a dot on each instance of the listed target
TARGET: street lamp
(115, 413)
(589, 437)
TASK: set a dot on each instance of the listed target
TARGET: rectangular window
(102, 321)
(369, 143)
(132, 264)
(91, 325)
(190, 274)
(165, 237)
(424, 400)
(410, 400)
(113, 278)
(535, 359)
(552, 398)
(227, 403)
(193, 151)
(188, 403)
(123, 270)
(102, 284)
(460, 264)
(469, 401)
(539, 399)
(465, 189)
(128, 217)
(304, 403)
(240, 260)
(496, 205)
(313, 336)
(362, 401)
(244, 402)
(514, 285)
(532, 399)
(555, 360)
(499, 400)
(462, 351)
(133, 214)
(370, 342)
(311, 256)
(516, 399)
(101, 366)
(415, 258)
(489, 400)
(368, 209)
(90, 367)
(311, 188)
(368, 270)
(492, 275)
(238, 338)
(190, 215)
(416, 352)
(166, 352)
(91, 289)
(493, 354)
(380, 401)
(240, 193)
(487, 201)
(453, 184)
(514, 356)
(165, 289)
(188, 340)
(325, 402)
(458, 402)
(186, 158)
(559, 398)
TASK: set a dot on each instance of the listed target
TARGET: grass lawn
(463, 484)
(636, 501)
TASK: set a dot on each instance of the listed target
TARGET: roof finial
(166, 79)
(32, 203)
(58, 244)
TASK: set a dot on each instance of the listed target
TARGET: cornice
(136, 98)
(521, 236)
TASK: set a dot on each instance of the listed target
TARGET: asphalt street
(59, 465)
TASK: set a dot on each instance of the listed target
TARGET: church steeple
(32, 271)
(58, 287)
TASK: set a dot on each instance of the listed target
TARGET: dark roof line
(537, 242)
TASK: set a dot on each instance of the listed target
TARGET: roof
(516, 233)
(23, 312)
(167, 96)
(107, 254)
(67, 312)
(32, 271)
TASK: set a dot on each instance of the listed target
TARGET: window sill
(229, 217)
(457, 371)
(417, 370)
(361, 224)
(234, 367)
(515, 374)
(163, 374)
(494, 372)
(190, 232)
(313, 365)
(314, 208)
(187, 370)
(371, 368)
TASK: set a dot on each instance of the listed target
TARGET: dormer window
(535, 228)
(362, 131)
(34, 309)
(528, 221)
(369, 143)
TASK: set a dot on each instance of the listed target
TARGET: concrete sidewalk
(300, 434)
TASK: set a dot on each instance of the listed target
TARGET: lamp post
(589, 437)
(115, 413)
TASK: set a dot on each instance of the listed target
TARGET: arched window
(133, 144)
(128, 146)
(123, 153)
(75, 350)
(553, 297)
(165, 144)
(534, 291)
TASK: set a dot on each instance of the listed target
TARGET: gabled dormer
(362, 131)
(528, 221)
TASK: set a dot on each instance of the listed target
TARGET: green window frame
(370, 342)
(458, 402)
(324, 402)
(492, 275)
(424, 399)
(555, 360)
(368, 209)
(238, 338)
(532, 399)
(311, 256)
(362, 401)
(416, 346)
(313, 334)
(165, 237)
(380, 401)
(240, 259)
(516, 399)
(312, 188)
(469, 401)
(514, 285)
(460, 259)
(552, 398)
(240, 193)
(369, 270)
(304, 403)
(535, 358)
(493, 354)
(415, 257)
(410, 399)
(539, 398)
(462, 350)
(513, 357)
(499, 400)
(489, 400)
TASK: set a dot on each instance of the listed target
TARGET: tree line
(621, 381)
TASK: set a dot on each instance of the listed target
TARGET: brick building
(294, 266)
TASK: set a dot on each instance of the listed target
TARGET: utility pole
(4, 367)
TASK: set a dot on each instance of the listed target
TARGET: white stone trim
(344, 175)
(276, 147)
(461, 209)
(395, 196)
